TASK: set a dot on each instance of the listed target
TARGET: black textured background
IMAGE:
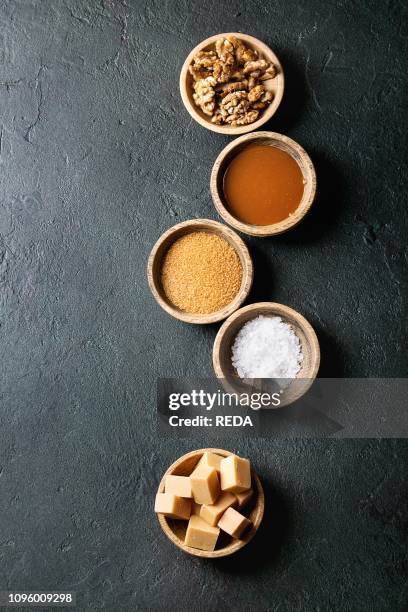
(97, 158)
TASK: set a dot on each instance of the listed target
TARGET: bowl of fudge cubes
(210, 502)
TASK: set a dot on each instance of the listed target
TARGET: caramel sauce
(263, 185)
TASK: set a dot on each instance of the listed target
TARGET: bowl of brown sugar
(263, 183)
(200, 271)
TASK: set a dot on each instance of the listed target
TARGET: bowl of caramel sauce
(263, 183)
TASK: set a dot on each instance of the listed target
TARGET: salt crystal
(266, 347)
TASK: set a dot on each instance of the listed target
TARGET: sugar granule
(267, 347)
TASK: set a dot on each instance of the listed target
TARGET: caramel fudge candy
(210, 460)
(235, 474)
(212, 513)
(172, 506)
(178, 485)
(200, 534)
(205, 485)
(233, 523)
(243, 498)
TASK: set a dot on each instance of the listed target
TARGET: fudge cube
(210, 460)
(205, 485)
(212, 513)
(243, 498)
(233, 523)
(172, 506)
(200, 534)
(178, 485)
(235, 474)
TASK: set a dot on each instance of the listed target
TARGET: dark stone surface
(97, 158)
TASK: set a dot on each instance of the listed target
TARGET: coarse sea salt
(267, 347)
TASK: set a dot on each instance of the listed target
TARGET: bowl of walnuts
(232, 83)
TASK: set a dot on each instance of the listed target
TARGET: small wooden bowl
(274, 140)
(275, 85)
(310, 348)
(176, 530)
(163, 244)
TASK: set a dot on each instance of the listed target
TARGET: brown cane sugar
(201, 273)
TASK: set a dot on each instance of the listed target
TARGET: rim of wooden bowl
(272, 139)
(181, 229)
(197, 115)
(256, 514)
(309, 341)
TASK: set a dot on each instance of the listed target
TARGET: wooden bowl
(224, 340)
(176, 530)
(163, 244)
(274, 140)
(275, 85)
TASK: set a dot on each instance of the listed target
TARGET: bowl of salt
(267, 346)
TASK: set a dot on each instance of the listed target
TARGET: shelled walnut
(229, 82)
